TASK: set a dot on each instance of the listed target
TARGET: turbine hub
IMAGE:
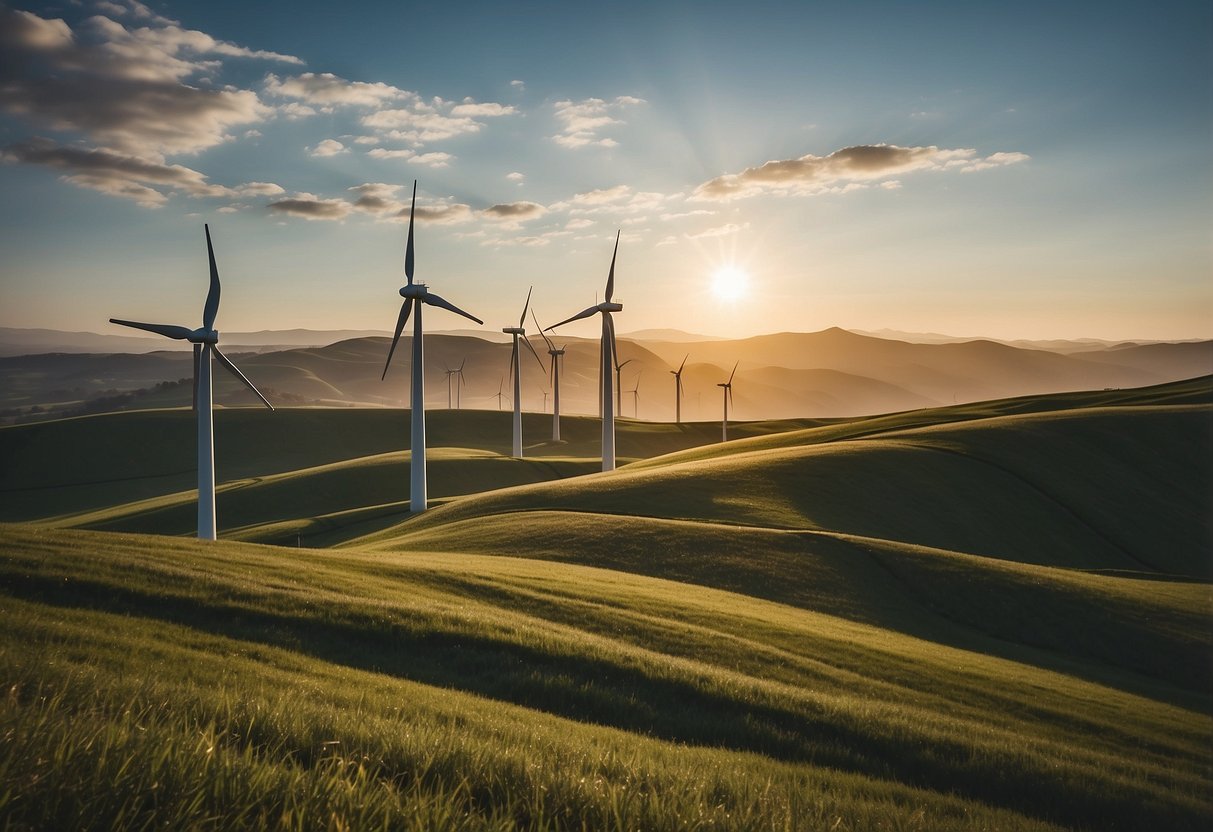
(202, 335)
(413, 290)
(514, 330)
(614, 306)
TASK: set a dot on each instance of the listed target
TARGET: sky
(1009, 170)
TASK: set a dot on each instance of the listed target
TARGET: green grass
(994, 616)
(162, 682)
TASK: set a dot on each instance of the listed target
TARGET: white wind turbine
(419, 293)
(677, 374)
(516, 369)
(635, 391)
(206, 342)
(449, 373)
(459, 385)
(728, 396)
(499, 395)
(619, 383)
(556, 354)
(606, 361)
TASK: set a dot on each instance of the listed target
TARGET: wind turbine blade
(197, 366)
(525, 307)
(585, 313)
(683, 364)
(408, 248)
(610, 289)
(527, 341)
(178, 333)
(405, 309)
(434, 300)
(223, 359)
(734, 372)
(461, 363)
(546, 339)
(212, 296)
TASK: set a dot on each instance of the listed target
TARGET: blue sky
(1011, 170)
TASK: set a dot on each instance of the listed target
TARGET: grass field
(994, 616)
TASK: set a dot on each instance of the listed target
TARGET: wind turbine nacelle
(202, 335)
(613, 306)
(514, 330)
(555, 352)
(413, 290)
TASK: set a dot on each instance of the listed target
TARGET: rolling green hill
(989, 616)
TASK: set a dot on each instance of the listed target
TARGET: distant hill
(828, 374)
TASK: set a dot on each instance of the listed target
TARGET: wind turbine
(619, 383)
(459, 386)
(449, 372)
(605, 360)
(728, 395)
(677, 374)
(206, 342)
(499, 395)
(556, 354)
(516, 369)
(417, 294)
(635, 391)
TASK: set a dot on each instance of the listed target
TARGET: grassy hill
(153, 681)
(987, 616)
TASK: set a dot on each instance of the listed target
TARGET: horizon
(880, 168)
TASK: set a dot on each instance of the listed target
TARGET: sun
(729, 282)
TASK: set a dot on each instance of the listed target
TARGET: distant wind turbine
(605, 360)
(516, 370)
(459, 385)
(556, 355)
(449, 373)
(500, 395)
(728, 396)
(677, 374)
(206, 342)
(619, 383)
(417, 294)
(635, 391)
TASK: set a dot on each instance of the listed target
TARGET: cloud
(515, 176)
(667, 241)
(620, 199)
(850, 166)
(328, 147)
(433, 160)
(697, 213)
(311, 207)
(581, 121)
(384, 153)
(121, 88)
(518, 85)
(580, 223)
(419, 126)
(259, 189)
(718, 231)
(327, 90)
(484, 110)
(377, 198)
(515, 211)
(441, 213)
(114, 173)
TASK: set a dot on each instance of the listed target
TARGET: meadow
(989, 616)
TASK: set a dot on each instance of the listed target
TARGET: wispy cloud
(581, 122)
(311, 207)
(327, 91)
(515, 211)
(718, 231)
(850, 166)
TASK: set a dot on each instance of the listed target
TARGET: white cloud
(582, 121)
(484, 110)
(578, 223)
(845, 169)
(433, 160)
(418, 126)
(377, 198)
(515, 177)
(328, 147)
(515, 212)
(518, 85)
(328, 90)
(718, 231)
(384, 153)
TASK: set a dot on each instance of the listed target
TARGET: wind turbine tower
(418, 295)
(677, 374)
(206, 343)
(606, 360)
(516, 369)
(556, 355)
(728, 396)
